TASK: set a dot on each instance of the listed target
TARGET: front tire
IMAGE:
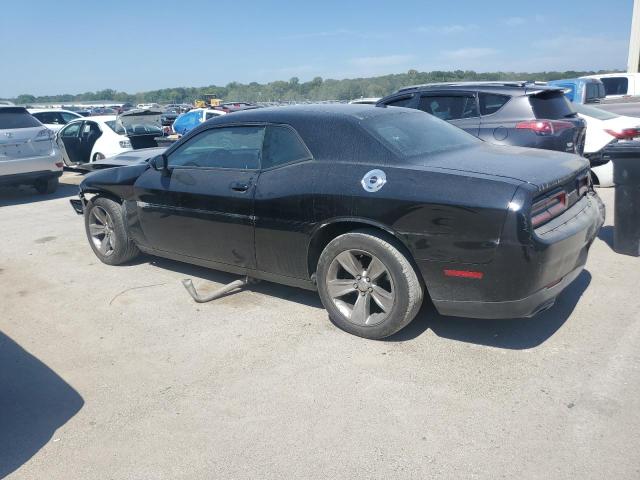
(368, 285)
(106, 232)
(98, 156)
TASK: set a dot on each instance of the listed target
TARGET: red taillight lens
(544, 127)
(549, 207)
(625, 133)
(463, 274)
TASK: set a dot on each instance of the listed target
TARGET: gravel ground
(114, 372)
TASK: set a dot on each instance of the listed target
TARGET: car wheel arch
(95, 194)
(326, 232)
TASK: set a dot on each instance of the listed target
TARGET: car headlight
(125, 144)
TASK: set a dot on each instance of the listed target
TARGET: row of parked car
(552, 116)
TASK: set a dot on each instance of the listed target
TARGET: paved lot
(115, 373)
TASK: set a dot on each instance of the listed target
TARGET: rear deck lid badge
(373, 180)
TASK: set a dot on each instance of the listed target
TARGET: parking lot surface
(114, 372)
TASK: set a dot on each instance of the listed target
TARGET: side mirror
(160, 163)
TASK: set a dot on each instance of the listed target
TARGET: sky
(54, 47)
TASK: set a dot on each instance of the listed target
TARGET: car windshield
(415, 133)
(594, 112)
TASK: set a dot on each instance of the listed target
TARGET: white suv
(28, 153)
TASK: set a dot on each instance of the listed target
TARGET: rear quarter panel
(438, 215)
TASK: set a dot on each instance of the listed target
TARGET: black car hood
(541, 168)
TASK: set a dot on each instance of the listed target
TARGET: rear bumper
(522, 308)
(28, 178)
(527, 272)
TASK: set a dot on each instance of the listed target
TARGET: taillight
(548, 207)
(544, 127)
(624, 133)
(583, 185)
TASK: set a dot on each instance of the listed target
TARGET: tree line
(293, 90)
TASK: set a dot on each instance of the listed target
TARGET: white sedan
(604, 128)
(95, 138)
(52, 118)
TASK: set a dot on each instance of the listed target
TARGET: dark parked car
(169, 116)
(505, 113)
(230, 107)
(374, 207)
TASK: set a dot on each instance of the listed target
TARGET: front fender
(117, 181)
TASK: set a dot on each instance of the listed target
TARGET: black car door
(284, 203)
(69, 141)
(204, 207)
(457, 108)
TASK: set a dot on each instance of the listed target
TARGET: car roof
(295, 113)
(605, 75)
(97, 118)
(575, 80)
(40, 110)
(506, 87)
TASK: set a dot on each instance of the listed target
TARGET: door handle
(240, 186)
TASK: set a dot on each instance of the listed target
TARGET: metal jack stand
(221, 292)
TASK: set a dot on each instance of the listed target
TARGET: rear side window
(616, 85)
(449, 108)
(551, 105)
(400, 102)
(11, 118)
(491, 103)
(281, 146)
(593, 91)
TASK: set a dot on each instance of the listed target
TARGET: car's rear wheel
(106, 231)
(47, 186)
(98, 156)
(368, 285)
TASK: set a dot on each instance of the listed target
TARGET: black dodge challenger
(375, 207)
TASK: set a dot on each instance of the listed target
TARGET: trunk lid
(542, 168)
(141, 126)
(25, 143)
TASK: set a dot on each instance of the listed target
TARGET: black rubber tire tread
(409, 290)
(125, 249)
(47, 186)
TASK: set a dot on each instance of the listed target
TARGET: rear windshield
(116, 128)
(615, 85)
(410, 134)
(594, 112)
(551, 105)
(17, 118)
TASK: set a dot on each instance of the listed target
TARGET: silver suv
(28, 153)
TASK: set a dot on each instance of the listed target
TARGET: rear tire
(107, 234)
(47, 186)
(367, 284)
(98, 156)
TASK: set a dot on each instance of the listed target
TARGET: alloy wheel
(361, 287)
(101, 230)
